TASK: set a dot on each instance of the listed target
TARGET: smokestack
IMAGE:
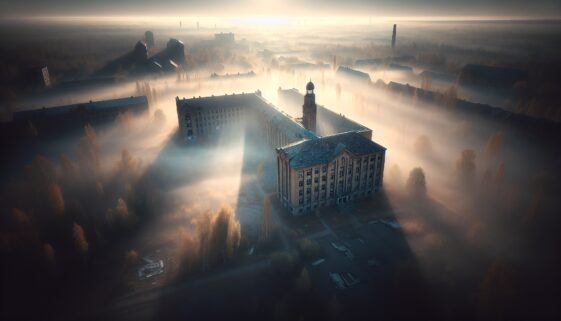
(394, 36)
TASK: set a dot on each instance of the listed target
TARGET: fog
(472, 194)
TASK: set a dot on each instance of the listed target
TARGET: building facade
(329, 170)
(205, 118)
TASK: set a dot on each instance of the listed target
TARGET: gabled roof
(323, 150)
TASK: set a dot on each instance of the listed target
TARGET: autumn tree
(494, 144)
(267, 222)
(416, 183)
(423, 146)
(465, 168)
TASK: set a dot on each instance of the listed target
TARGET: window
(301, 183)
(309, 181)
(324, 169)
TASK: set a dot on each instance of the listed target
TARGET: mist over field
(474, 194)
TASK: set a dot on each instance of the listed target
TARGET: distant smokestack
(394, 36)
(334, 62)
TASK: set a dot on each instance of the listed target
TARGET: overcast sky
(531, 8)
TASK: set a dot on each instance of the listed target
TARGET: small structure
(352, 73)
(151, 269)
(224, 38)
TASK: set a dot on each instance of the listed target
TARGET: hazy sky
(521, 8)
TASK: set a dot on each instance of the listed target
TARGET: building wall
(198, 123)
(211, 117)
(345, 178)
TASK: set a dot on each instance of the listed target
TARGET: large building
(313, 170)
(329, 170)
(204, 118)
(56, 120)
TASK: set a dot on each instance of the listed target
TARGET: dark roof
(310, 85)
(352, 72)
(496, 72)
(92, 105)
(323, 150)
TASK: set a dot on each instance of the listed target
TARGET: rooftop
(323, 150)
(88, 106)
(282, 120)
(352, 72)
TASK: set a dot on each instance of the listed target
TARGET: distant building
(175, 50)
(224, 38)
(248, 74)
(57, 119)
(140, 52)
(149, 38)
(394, 36)
(370, 62)
(309, 109)
(398, 67)
(352, 73)
(312, 171)
(490, 77)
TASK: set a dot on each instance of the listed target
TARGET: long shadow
(392, 285)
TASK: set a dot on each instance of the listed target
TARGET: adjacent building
(353, 74)
(59, 119)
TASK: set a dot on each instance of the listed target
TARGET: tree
(423, 146)
(499, 179)
(56, 199)
(80, 241)
(465, 167)
(494, 144)
(416, 183)
(267, 222)
(426, 82)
